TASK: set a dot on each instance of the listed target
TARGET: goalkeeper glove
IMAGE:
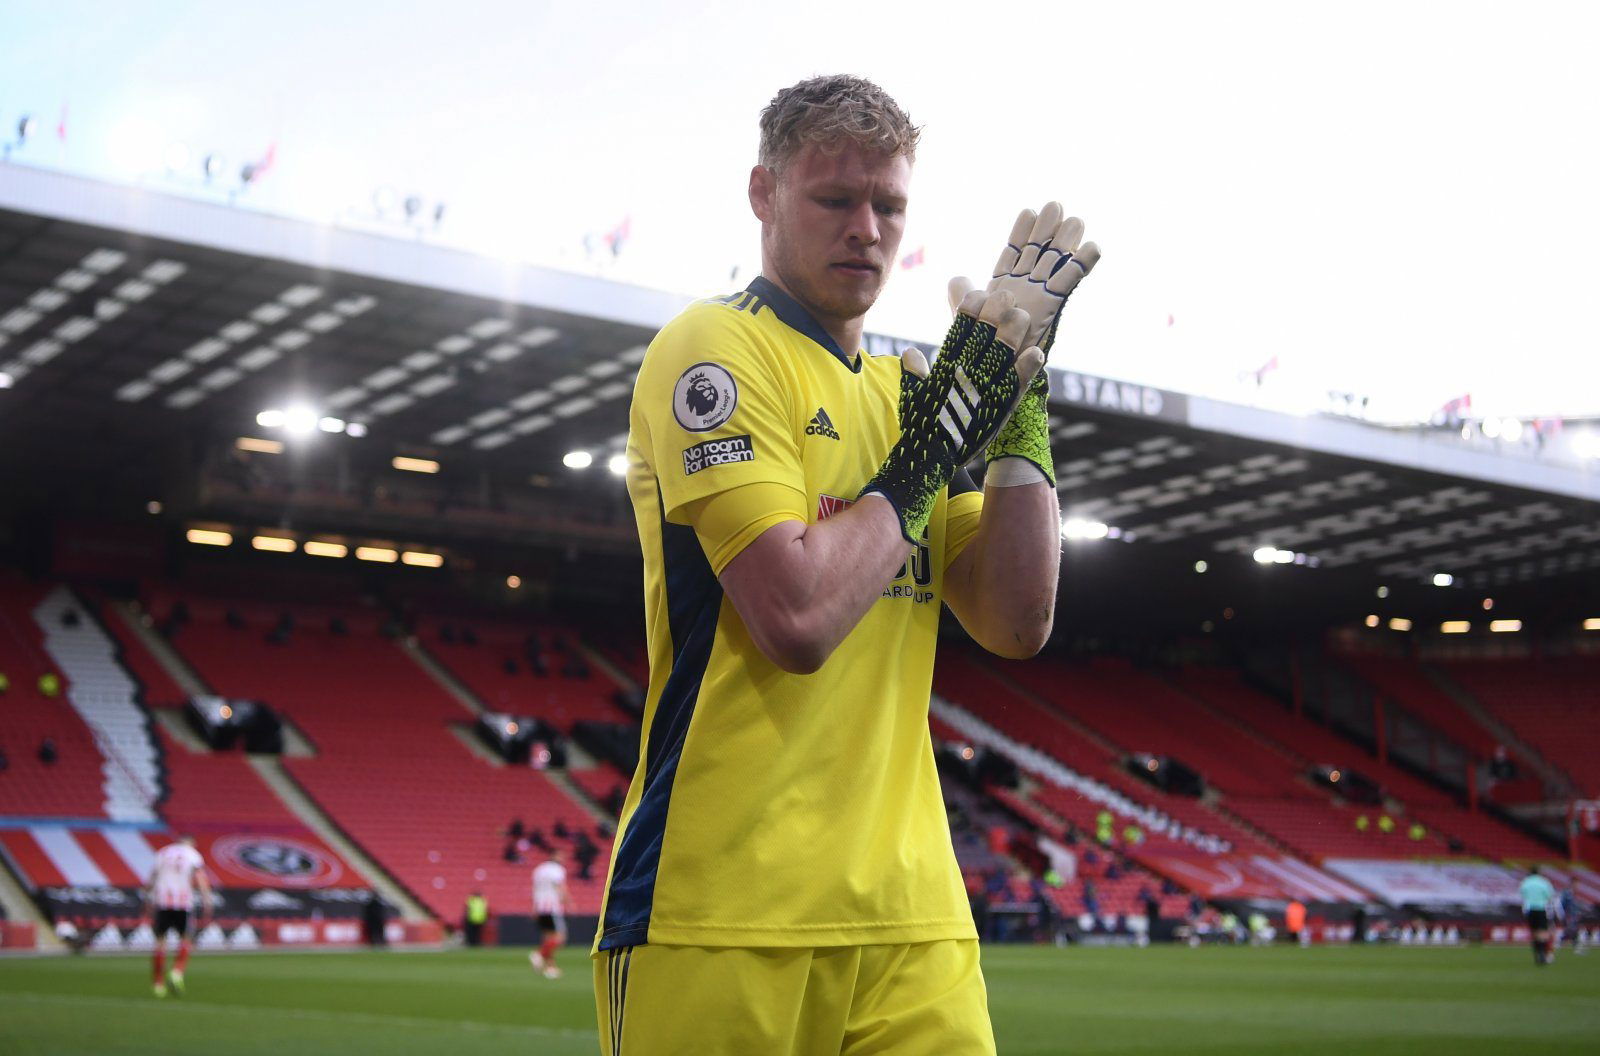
(947, 418)
(1041, 265)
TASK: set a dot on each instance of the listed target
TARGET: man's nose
(863, 225)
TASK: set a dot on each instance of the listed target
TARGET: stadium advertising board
(1472, 884)
(1118, 397)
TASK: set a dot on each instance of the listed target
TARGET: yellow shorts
(923, 998)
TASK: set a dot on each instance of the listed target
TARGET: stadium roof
(135, 324)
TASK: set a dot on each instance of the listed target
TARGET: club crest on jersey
(704, 397)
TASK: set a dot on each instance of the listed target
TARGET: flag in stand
(61, 124)
(1457, 409)
(618, 235)
(913, 259)
(257, 169)
(1266, 368)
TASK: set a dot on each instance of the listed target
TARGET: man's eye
(833, 203)
(890, 210)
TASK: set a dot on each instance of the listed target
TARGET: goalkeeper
(783, 879)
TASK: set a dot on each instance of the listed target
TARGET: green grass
(1237, 1001)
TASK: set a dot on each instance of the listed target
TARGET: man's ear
(763, 191)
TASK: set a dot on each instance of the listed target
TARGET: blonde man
(783, 879)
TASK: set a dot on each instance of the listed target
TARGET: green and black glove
(1041, 265)
(951, 415)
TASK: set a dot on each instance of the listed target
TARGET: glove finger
(973, 302)
(913, 362)
(1068, 234)
(1044, 228)
(1029, 363)
(1062, 245)
(1011, 327)
(956, 290)
(995, 305)
(1067, 277)
(1021, 231)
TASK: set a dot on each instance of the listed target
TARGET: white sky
(1395, 199)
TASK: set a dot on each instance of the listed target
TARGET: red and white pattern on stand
(48, 855)
(1250, 876)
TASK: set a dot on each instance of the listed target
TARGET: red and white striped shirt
(548, 880)
(173, 878)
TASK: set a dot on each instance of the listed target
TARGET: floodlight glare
(1505, 626)
(577, 460)
(331, 425)
(299, 421)
(1265, 555)
(1399, 623)
(1201, 566)
(1510, 430)
(271, 418)
(617, 464)
(1455, 627)
(6, 380)
(1443, 579)
(1284, 557)
(356, 429)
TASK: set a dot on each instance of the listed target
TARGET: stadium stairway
(212, 786)
(107, 699)
(1554, 777)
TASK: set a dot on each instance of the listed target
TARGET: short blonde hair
(830, 111)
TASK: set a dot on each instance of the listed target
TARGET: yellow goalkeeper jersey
(773, 809)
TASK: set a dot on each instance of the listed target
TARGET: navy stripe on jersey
(694, 598)
(795, 317)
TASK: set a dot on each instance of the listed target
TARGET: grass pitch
(1043, 1001)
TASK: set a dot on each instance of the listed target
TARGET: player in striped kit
(549, 904)
(179, 871)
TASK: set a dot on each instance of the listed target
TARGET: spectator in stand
(5, 683)
(560, 829)
(1294, 921)
(1363, 823)
(1501, 768)
(1385, 824)
(515, 829)
(513, 851)
(47, 751)
(536, 839)
(584, 852)
(5, 763)
(50, 685)
(1104, 826)
(1091, 899)
(1417, 831)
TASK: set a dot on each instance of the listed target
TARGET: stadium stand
(521, 669)
(1549, 702)
(1409, 685)
(387, 768)
(1312, 743)
(73, 784)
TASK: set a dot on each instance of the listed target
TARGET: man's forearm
(1005, 583)
(801, 588)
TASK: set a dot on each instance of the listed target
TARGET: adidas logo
(822, 425)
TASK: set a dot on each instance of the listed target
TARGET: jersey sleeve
(715, 410)
(962, 513)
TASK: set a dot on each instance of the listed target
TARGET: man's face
(832, 225)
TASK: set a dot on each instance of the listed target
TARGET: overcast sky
(1394, 199)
